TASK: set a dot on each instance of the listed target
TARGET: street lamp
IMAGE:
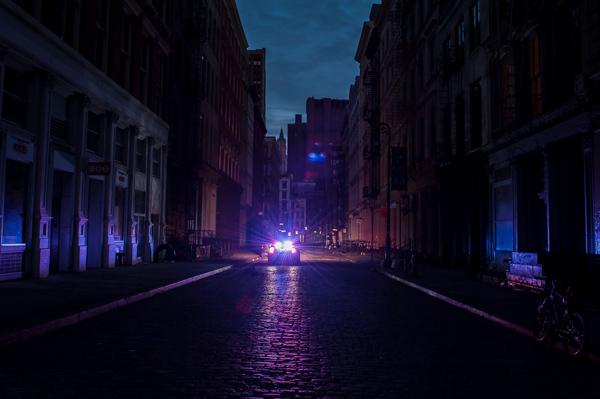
(387, 261)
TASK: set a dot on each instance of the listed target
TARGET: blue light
(316, 156)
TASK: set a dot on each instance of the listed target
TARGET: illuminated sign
(98, 168)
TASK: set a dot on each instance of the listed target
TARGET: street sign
(98, 168)
(398, 172)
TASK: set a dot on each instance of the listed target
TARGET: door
(61, 227)
(95, 223)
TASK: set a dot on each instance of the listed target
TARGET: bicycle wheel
(575, 338)
(541, 327)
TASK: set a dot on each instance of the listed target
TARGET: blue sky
(310, 50)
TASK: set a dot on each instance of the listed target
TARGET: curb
(481, 313)
(52, 325)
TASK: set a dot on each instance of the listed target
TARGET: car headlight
(288, 245)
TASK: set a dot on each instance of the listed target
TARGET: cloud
(310, 50)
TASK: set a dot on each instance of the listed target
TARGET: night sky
(310, 50)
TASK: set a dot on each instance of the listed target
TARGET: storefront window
(504, 218)
(119, 213)
(15, 200)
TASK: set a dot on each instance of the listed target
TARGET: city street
(326, 328)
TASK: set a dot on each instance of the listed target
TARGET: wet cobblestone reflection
(283, 355)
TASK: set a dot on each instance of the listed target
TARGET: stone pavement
(499, 300)
(324, 329)
(30, 302)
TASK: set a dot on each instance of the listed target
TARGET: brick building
(213, 120)
(496, 104)
(82, 160)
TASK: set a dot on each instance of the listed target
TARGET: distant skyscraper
(297, 148)
(325, 121)
(258, 76)
(281, 144)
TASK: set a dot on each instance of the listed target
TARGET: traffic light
(398, 168)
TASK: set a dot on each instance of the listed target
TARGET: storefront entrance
(61, 228)
(95, 223)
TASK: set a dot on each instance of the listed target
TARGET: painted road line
(488, 316)
(46, 327)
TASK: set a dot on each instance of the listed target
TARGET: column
(80, 104)
(546, 197)
(147, 243)
(163, 197)
(108, 247)
(131, 255)
(41, 220)
(2, 172)
(3, 52)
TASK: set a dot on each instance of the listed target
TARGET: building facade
(297, 148)
(82, 160)
(324, 125)
(496, 104)
(271, 175)
(214, 120)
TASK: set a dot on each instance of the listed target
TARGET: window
(420, 69)
(431, 140)
(535, 74)
(119, 214)
(460, 42)
(460, 125)
(475, 101)
(14, 104)
(126, 39)
(507, 93)
(447, 126)
(15, 200)
(101, 42)
(140, 156)
(140, 202)
(162, 78)
(475, 24)
(420, 140)
(94, 130)
(448, 54)
(504, 215)
(156, 158)
(58, 124)
(145, 69)
(431, 49)
(121, 146)
(53, 16)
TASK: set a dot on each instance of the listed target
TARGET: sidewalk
(31, 302)
(517, 307)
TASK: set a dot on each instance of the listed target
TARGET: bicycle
(557, 318)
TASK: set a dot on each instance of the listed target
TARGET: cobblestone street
(326, 328)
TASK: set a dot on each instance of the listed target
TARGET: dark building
(324, 125)
(271, 175)
(83, 132)
(211, 113)
(296, 159)
(496, 104)
(258, 77)
(256, 228)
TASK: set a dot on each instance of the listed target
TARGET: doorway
(95, 223)
(61, 227)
